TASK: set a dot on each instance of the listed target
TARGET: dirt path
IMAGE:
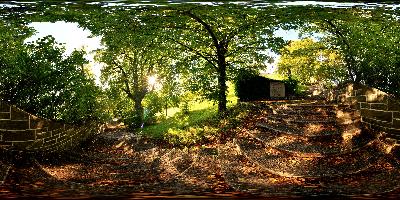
(117, 164)
(255, 162)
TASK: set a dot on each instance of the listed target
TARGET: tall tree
(40, 79)
(219, 40)
(311, 62)
(368, 41)
(132, 55)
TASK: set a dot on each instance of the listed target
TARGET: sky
(75, 37)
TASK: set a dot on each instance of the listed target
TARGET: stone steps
(286, 111)
(4, 169)
(315, 130)
(283, 164)
(307, 147)
(292, 120)
(310, 109)
(244, 175)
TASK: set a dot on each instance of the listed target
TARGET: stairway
(308, 147)
(4, 169)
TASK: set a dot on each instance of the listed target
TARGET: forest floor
(118, 164)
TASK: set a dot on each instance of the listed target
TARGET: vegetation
(366, 42)
(219, 41)
(38, 78)
(157, 58)
(200, 123)
(170, 70)
(311, 62)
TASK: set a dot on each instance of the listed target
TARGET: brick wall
(20, 130)
(378, 110)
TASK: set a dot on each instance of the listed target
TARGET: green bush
(153, 104)
(38, 78)
(291, 86)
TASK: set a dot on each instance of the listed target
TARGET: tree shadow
(104, 169)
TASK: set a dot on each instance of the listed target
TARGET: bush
(291, 86)
(153, 104)
(38, 78)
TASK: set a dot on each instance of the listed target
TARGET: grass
(199, 125)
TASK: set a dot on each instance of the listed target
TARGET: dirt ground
(118, 164)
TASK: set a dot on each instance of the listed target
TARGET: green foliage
(153, 103)
(368, 42)
(200, 122)
(217, 41)
(119, 106)
(191, 48)
(275, 76)
(133, 54)
(311, 62)
(190, 136)
(40, 79)
(292, 87)
(185, 129)
(201, 125)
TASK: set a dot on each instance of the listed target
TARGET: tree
(368, 41)
(132, 55)
(311, 62)
(219, 40)
(38, 78)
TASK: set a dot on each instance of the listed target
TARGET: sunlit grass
(197, 125)
(181, 128)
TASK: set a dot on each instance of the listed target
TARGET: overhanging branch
(127, 89)
(208, 59)
(205, 25)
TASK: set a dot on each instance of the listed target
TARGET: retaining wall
(377, 109)
(22, 131)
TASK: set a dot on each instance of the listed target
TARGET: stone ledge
(18, 114)
(5, 116)
(396, 123)
(4, 107)
(378, 106)
(377, 114)
(22, 144)
(14, 125)
(18, 135)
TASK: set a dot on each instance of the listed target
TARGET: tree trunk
(222, 91)
(221, 81)
(350, 68)
(139, 112)
(137, 96)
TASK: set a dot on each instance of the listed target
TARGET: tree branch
(209, 59)
(127, 89)
(346, 43)
(205, 25)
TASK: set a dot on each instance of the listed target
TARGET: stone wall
(22, 131)
(378, 110)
